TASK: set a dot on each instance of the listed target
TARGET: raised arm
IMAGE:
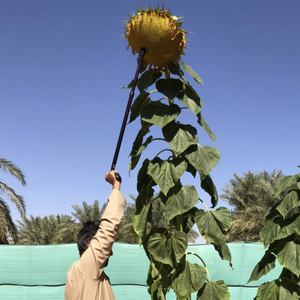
(95, 257)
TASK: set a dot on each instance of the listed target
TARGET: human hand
(111, 178)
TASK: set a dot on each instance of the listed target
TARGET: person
(86, 279)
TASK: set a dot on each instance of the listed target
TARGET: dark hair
(86, 234)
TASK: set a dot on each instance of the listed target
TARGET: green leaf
(167, 248)
(182, 200)
(180, 136)
(166, 173)
(147, 79)
(160, 114)
(209, 187)
(203, 159)
(266, 264)
(276, 290)
(191, 72)
(138, 147)
(157, 291)
(202, 123)
(190, 99)
(289, 202)
(214, 291)
(169, 87)
(140, 221)
(175, 69)
(191, 278)
(278, 228)
(213, 226)
(284, 182)
(289, 257)
(140, 101)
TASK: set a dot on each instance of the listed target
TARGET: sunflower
(159, 33)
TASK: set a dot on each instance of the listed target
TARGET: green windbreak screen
(39, 272)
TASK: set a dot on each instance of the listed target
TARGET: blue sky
(63, 64)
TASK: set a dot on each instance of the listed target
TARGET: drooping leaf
(181, 200)
(203, 159)
(213, 226)
(170, 87)
(209, 187)
(214, 291)
(175, 69)
(147, 79)
(166, 173)
(266, 264)
(284, 182)
(157, 291)
(180, 136)
(139, 103)
(136, 157)
(190, 99)
(202, 123)
(167, 249)
(289, 202)
(140, 221)
(289, 257)
(160, 114)
(190, 279)
(191, 72)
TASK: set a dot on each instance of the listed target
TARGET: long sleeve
(95, 257)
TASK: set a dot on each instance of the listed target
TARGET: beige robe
(86, 279)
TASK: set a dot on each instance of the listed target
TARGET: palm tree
(60, 229)
(88, 212)
(251, 196)
(7, 226)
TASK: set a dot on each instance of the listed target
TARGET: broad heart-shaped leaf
(209, 187)
(190, 279)
(289, 202)
(166, 173)
(266, 264)
(191, 72)
(212, 226)
(289, 257)
(202, 123)
(278, 228)
(203, 159)
(169, 87)
(180, 136)
(180, 200)
(167, 248)
(160, 114)
(140, 101)
(147, 79)
(190, 99)
(276, 290)
(214, 291)
(140, 221)
(284, 182)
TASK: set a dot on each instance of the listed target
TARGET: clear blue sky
(62, 66)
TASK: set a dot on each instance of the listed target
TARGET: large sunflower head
(159, 33)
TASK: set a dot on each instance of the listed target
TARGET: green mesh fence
(39, 272)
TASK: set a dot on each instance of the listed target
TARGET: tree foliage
(166, 247)
(60, 229)
(7, 225)
(281, 237)
(251, 197)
